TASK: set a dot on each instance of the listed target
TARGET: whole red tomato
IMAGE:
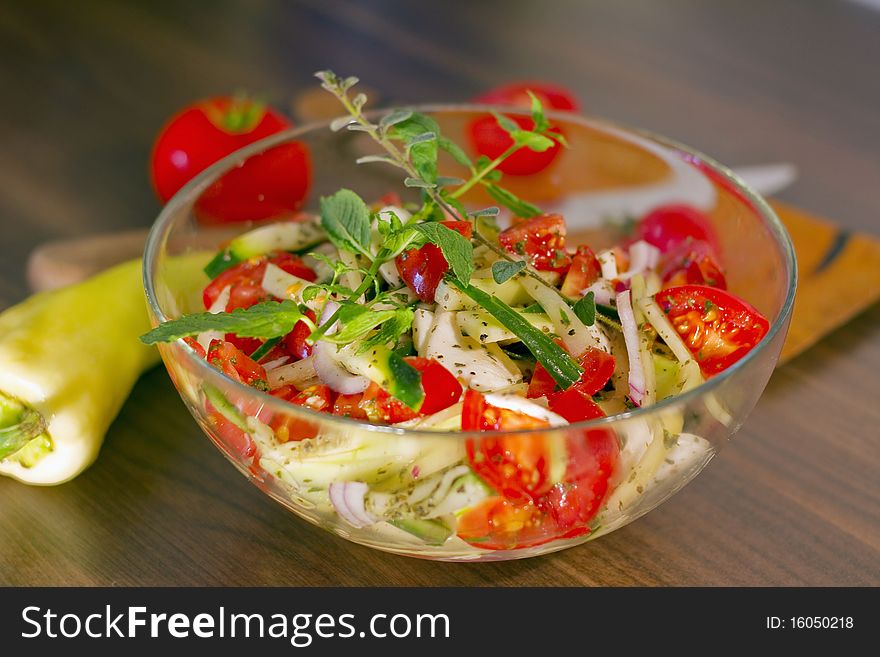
(267, 185)
(490, 139)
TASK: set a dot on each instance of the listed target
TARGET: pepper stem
(19, 424)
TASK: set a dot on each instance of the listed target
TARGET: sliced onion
(602, 291)
(642, 257)
(328, 368)
(608, 263)
(275, 364)
(348, 498)
(633, 348)
(527, 406)
(295, 373)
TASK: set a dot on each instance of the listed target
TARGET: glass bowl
(609, 176)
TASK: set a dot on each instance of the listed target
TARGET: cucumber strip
(286, 236)
(432, 532)
(562, 367)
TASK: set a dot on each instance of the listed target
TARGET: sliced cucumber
(432, 532)
(448, 297)
(666, 375)
(483, 327)
(284, 236)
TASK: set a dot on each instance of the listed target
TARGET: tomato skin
(295, 342)
(531, 509)
(350, 406)
(489, 139)
(199, 349)
(441, 388)
(237, 365)
(287, 428)
(497, 523)
(422, 269)
(518, 467)
(238, 441)
(244, 280)
(541, 239)
(267, 185)
(584, 271)
(598, 367)
(692, 262)
(716, 326)
(668, 226)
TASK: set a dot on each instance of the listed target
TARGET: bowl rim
(161, 227)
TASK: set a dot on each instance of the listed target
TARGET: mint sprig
(269, 319)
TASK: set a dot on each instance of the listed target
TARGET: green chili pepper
(68, 360)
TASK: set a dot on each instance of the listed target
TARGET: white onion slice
(602, 291)
(642, 257)
(348, 498)
(633, 348)
(608, 263)
(295, 373)
(527, 406)
(275, 364)
(328, 368)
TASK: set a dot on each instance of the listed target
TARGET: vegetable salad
(435, 316)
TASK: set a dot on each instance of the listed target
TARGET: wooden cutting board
(839, 270)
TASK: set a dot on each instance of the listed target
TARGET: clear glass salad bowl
(608, 177)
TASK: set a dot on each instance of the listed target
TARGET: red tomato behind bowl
(490, 139)
(267, 185)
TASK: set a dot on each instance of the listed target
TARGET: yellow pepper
(68, 360)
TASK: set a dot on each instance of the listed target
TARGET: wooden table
(794, 499)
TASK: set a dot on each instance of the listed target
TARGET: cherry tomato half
(583, 272)
(237, 365)
(287, 428)
(598, 367)
(267, 185)
(441, 388)
(489, 139)
(422, 269)
(692, 262)
(668, 226)
(717, 327)
(541, 239)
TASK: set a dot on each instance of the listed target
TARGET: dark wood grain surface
(794, 499)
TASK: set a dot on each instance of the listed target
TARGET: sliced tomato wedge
(598, 367)
(518, 466)
(692, 262)
(288, 428)
(422, 269)
(441, 388)
(244, 280)
(245, 289)
(540, 239)
(295, 342)
(584, 271)
(497, 523)
(350, 406)
(237, 365)
(717, 327)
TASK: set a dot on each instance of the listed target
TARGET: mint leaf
(391, 330)
(269, 319)
(538, 113)
(519, 207)
(456, 248)
(355, 327)
(422, 151)
(504, 270)
(531, 140)
(585, 309)
(507, 124)
(346, 220)
(454, 150)
(405, 381)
